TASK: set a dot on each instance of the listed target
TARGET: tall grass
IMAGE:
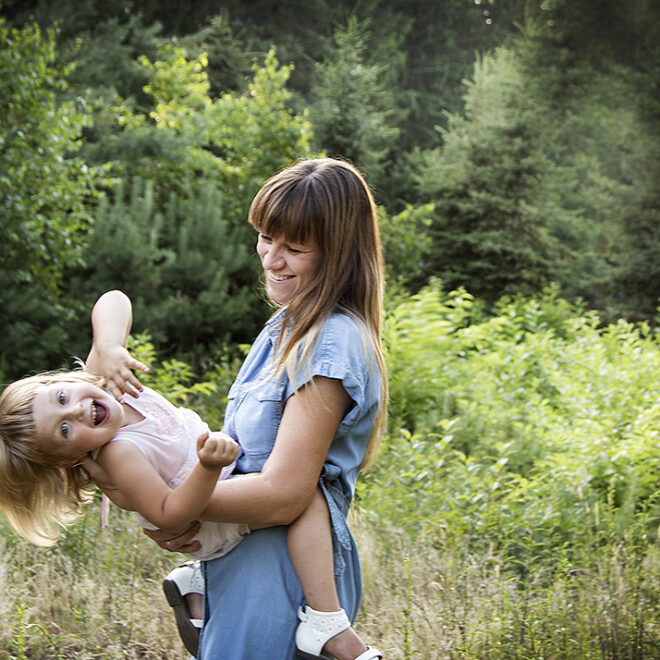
(98, 595)
(430, 602)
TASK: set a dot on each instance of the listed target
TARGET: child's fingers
(218, 449)
(140, 366)
(201, 440)
(127, 381)
(115, 391)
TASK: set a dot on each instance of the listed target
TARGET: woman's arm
(144, 490)
(112, 317)
(284, 488)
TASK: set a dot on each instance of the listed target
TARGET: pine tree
(490, 229)
(354, 115)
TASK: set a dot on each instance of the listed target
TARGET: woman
(307, 407)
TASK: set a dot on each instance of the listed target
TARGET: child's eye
(61, 397)
(293, 250)
(64, 429)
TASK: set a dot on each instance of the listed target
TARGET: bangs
(290, 210)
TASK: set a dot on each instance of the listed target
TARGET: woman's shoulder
(344, 328)
(345, 322)
(342, 334)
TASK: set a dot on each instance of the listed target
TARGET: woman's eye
(61, 398)
(264, 238)
(294, 250)
(64, 429)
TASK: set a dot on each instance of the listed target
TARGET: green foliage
(43, 190)
(506, 430)
(177, 241)
(353, 113)
(235, 141)
(406, 241)
(46, 194)
(187, 270)
(228, 62)
(178, 382)
(488, 183)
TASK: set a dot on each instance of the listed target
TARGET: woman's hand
(178, 540)
(115, 364)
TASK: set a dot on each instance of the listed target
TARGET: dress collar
(274, 324)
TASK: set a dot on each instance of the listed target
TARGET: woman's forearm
(258, 500)
(284, 488)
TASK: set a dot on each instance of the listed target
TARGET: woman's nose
(272, 257)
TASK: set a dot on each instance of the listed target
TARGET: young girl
(163, 463)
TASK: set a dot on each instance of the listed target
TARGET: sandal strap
(370, 654)
(316, 628)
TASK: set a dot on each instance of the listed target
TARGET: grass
(434, 603)
(98, 595)
(95, 595)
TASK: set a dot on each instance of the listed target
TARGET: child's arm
(112, 318)
(147, 493)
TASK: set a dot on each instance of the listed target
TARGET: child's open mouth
(98, 413)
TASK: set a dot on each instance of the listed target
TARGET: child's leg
(184, 589)
(195, 603)
(310, 548)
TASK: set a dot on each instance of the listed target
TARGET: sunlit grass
(98, 595)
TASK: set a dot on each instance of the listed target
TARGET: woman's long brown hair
(327, 203)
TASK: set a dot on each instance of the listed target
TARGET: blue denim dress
(252, 593)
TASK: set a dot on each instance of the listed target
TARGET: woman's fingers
(176, 541)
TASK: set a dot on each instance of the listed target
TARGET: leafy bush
(526, 432)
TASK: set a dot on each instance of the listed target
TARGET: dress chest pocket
(256, 413)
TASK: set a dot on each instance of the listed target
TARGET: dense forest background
(513, 148)
(512, 144)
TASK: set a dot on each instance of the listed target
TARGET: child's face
(72, 419)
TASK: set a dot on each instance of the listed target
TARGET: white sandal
(370, 654)
(183, 580)
(316, 628)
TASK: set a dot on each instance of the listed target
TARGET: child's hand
(115, 363)
(216, 449)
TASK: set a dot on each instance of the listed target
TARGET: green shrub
(529, 431)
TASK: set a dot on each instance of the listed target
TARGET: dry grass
(98, 595)
(426, 602)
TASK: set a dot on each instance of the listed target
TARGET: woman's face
(288, 267)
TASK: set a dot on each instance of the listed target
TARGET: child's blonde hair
(37, 492)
